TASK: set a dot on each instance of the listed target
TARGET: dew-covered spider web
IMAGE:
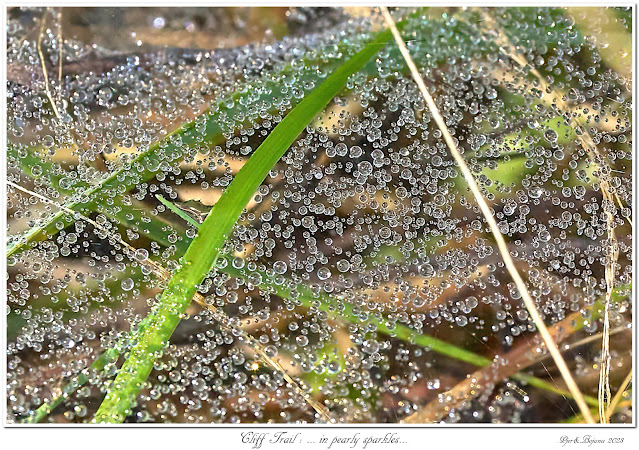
(362, 282)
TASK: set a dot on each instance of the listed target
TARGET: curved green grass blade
(141, 169)
(75, 383)
(213, 233)
(207, 127)
(345, 310)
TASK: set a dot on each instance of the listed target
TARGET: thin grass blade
(205, 248)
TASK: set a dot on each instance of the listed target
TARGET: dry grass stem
(519, 358)
(47, 88)
(501, 243)
(553, 98)
(60, 45)
(45, 72)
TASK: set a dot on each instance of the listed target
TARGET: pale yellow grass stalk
(501, 243)
(44, 67)
(552, 97)
(47, 87)
(60, 44)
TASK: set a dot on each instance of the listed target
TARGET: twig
(589, 339)
(501, 243)
(519, 358)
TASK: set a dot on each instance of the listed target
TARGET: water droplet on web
(279, 267)
(323, 273)
(551, 135)
(365, 168)
(141, 254)
(343, 265)
(127, 284)
(545, 236)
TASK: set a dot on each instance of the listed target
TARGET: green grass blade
(107, 357)
(173, 149)
(132, 214)
(212, 234)
(178, 211)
